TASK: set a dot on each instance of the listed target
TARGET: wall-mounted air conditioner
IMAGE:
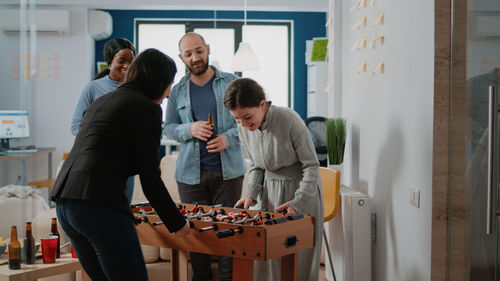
(100, 24)
(487, 27)
(47, 22)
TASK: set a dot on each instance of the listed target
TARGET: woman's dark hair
(152, 71)
(243, 92)
(112, 47)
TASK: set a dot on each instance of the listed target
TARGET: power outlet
(415, 198)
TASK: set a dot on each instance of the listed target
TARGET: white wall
(390, 118)
(53, 99)
(9, 92)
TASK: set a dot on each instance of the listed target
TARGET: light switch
(415, 198)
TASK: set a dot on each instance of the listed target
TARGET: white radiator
(349, 236)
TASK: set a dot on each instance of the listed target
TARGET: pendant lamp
(245, 59)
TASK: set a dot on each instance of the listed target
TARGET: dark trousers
(212, 190)
(105, 240)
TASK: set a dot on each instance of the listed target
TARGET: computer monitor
(13, 124)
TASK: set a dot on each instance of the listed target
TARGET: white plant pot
(339, 167)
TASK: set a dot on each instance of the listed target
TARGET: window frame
(237, 25)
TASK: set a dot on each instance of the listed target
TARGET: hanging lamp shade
(245, 59)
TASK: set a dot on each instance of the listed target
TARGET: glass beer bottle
(14, 250)
(211, 123)
(29, 245)
(54, 232)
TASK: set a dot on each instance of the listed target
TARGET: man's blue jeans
(104, 239)
(129, 189)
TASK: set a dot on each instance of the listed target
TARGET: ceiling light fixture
(245, 59)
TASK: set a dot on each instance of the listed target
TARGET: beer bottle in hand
(211, 123)
(54, 232)
(29, 245)
(14, 250)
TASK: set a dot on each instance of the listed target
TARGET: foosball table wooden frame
(260, 235)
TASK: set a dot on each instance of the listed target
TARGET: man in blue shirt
(207, 171)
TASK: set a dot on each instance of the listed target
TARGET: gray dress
(284, 168)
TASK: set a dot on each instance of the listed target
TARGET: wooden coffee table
(31, 272)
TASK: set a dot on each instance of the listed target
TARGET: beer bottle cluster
(29, 249)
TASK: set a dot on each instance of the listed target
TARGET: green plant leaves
(335, 140)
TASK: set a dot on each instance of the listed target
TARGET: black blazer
(119, 137)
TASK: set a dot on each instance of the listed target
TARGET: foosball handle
(295, 217)
(225, 233)
(228, 232)
(283, 211)
(213, 226)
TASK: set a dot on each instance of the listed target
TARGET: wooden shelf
(49, 183)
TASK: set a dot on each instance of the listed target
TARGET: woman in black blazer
(118, 137)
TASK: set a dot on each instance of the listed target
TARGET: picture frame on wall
(101, 65)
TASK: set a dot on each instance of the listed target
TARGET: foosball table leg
(242, 270)
(84, 276)
(179, 265)
(289, 267)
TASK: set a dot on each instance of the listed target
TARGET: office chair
(330, 180)
(317, 129)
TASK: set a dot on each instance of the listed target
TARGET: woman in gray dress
(284, 169)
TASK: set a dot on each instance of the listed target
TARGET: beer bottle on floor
(212, 124)
(29, 245)
(54, 232)
(14, 250)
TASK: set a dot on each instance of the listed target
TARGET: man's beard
(201, 71)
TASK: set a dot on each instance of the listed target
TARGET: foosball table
(244, 235)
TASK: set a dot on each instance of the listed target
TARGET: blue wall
(306, 25)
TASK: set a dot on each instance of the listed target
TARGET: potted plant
(335, 140)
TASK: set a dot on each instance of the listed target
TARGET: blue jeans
(129, 189)
(104, 239)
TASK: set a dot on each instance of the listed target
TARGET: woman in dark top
(118, 137)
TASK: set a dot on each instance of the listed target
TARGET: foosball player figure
(257, 222)
(195, 209)
(182, 209)
(224, 217)
(212, 212)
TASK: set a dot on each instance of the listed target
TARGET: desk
(31, 272)
(30, 155)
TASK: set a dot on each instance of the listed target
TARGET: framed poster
(101, 65)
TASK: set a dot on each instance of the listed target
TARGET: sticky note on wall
(319, 49)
